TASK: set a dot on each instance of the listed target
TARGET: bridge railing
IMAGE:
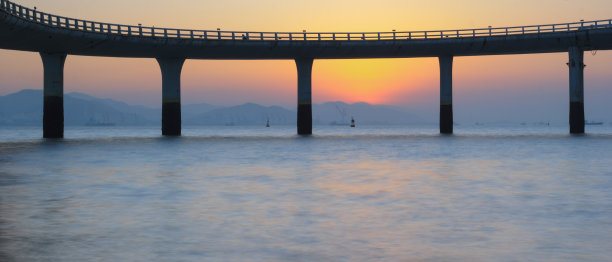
(36, 16)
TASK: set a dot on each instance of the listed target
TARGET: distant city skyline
(510, 87)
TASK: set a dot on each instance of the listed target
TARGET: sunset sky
(518, 87)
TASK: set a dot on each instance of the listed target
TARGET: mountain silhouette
(24, 108)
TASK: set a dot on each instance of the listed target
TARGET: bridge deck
(26, 29)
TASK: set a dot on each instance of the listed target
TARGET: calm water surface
(253, 194)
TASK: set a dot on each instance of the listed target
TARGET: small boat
(352, 122)
(268, 123)
(593, 123)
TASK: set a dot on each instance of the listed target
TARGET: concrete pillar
(171, 95)
(304, 114)
(446, 94)
(53, 106)
(576, 78)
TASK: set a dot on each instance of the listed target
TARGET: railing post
(233, 36)
(457, 33)
(379, 36)
(275, 36)
(363, 36)
(319, 36)
(506, 31)
(348, 36)
(304, 36)
(165, 32)
(205, 35)
(538, 29)
(393, 35)
(334, 36)
(524, 29)
(473, 32)
(261, 36)
(290, 36)
(140, 29)
(425, 34)
(553, 28)
(410, 35)
(191, 33)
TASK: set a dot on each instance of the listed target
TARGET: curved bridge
(55, 37)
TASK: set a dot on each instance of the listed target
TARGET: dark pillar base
(446, 119)
(53, 117)
(171, 119)
(576, 117)
(304, 117)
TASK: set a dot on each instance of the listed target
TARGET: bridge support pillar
(304, 112)
(446, 94)
(171, 95)
(576, 78)
(53, 105)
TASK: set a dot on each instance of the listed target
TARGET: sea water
(511, 193)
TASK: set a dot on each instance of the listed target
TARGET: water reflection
(326, 198)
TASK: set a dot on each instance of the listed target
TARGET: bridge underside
(55, 43)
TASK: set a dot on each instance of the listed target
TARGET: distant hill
(247, 114)
(25, 108)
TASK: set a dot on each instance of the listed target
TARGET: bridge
(55, 37)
